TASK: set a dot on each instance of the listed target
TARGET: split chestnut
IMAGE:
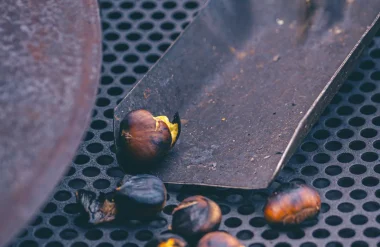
(291, 204)
(145, 139)
(196, 216)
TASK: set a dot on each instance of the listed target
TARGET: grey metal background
(339, 157)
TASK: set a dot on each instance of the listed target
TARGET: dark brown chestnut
(140, 196)
(292, 203)
(99, 209)
(195, 216)
(167, 240)
(219, 239)
(145, 139)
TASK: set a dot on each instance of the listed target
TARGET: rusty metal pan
(50, 58)
(249, 79)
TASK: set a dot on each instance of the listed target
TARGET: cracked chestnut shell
(140, 196)
(167, 240)
(219, 239)
(195, 216)
(145, 139)
(99, 210)
(292, 203)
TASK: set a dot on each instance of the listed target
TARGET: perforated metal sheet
(339, 157)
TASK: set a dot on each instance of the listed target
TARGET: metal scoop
(249, 79)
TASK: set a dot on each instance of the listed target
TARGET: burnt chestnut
(99, 209)
(140, 196)
(219, 239)
(195, 216)
(167, 240)
(145, 139)
(292, 203)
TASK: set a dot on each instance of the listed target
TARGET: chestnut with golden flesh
(219, 239)
(167, 240)
(145, 139)
(195, 216)
(99, 210)
(140, 196)
(292, 203)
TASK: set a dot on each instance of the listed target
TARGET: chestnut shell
(292, 203)
(195, 216)
(167, 240)
(140, 196)
(99, 210)
(219, 239)
(141, 142)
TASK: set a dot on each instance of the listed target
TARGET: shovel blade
(249, 79)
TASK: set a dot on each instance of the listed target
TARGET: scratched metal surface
(50, 53)
(250, 78)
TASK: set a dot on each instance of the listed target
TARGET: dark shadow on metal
(50, 53)
(249, 79)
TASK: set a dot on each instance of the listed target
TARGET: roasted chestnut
(145, 139)
(99, 209)
(167, 240)
(219, 239)
(140, 196)
(292, 203)
(195, 216)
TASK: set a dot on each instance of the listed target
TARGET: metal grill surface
(339, 157)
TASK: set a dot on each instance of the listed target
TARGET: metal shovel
(249, 79)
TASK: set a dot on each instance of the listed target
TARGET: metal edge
(327, 94)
